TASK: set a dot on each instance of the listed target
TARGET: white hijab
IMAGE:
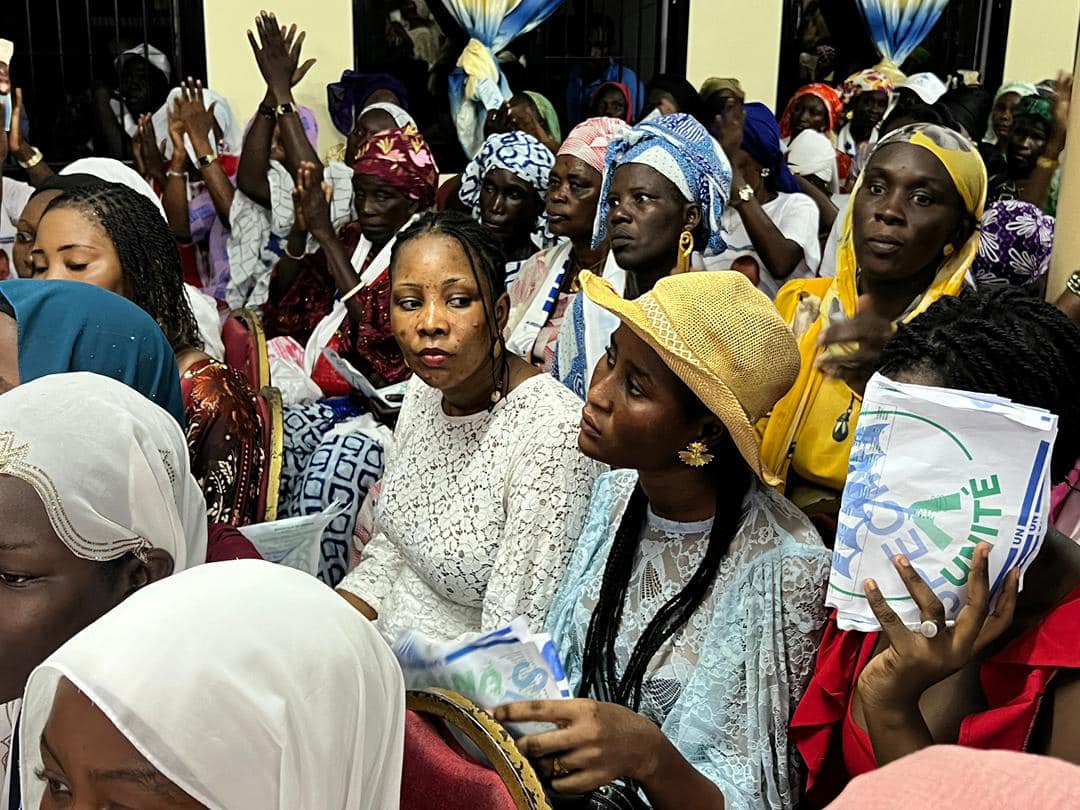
(113, 472)
(232, 134)
(246, 684)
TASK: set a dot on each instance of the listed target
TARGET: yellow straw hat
(722, 337)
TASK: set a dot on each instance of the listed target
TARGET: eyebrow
(74, 245)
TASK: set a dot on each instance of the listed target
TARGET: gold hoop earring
(696, 454)
(686, 250)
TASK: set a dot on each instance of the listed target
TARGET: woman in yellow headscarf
(909, 238)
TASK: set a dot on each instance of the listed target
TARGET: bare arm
(288, 268)
(255, 157)
(1037, 189)
(780, 255)
(22, 151)
(827, 210)
(1064, 740)
(175, 198)
(198, 123)
(367, 610)
(277, 52)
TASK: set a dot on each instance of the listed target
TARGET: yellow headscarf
(817, 401)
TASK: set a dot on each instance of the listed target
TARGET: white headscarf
(113, 171)
(113, 472)
(110, 466)
(246, 684)
(400, 116)
(232, 134)
(812, 153)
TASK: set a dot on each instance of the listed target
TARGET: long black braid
(149, 258)
(599, 676)
(483, 251)
(999, 341)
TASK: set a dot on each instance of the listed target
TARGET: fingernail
(903, 561)
(870, 585)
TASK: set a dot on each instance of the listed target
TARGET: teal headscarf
(1036, 110)
(70, 326)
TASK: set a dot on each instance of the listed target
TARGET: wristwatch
(206, 160)
(288, 108)
(35, 158)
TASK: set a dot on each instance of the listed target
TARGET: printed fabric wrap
(865, 81)
(680, 149)
(521, 155)
(828, 96)
(403, 159)
(1016, 241)
(589, 140)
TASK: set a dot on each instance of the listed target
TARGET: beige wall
(1042, 38)
(231, 65)
(739, 38)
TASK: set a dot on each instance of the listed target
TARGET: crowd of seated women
(630, 364)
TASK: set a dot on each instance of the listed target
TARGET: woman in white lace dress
(690, 614)
(486, 489)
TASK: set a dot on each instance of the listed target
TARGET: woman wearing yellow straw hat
(688, 618)
(908, 239)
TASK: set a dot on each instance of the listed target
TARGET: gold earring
(686, 250)
(696, 454)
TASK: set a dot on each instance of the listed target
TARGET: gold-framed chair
(516, 773)
(272, 413)
(245, 346)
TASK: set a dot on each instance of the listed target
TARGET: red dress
(369, 344)
(1014, 682)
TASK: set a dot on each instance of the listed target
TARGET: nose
(431, 320)
(890, 209)
(618, 214)
(557, 193)
(498, 204)
(599, 395)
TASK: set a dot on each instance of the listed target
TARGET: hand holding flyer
(503, 666)
(932, 474)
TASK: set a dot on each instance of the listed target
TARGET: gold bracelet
(1046, 163)
(1073, 284)
(35, 158)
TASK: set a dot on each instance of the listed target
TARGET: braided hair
(999, 341)
(599, 674)
(149, 259)
(486, 257)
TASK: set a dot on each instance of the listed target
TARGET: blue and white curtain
(478, 85)
(898, 27)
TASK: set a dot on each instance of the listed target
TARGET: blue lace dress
(725, 686)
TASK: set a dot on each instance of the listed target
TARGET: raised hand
(148, 151)
(192, 116)
(314, 201)
(913, 663)
(867, 333)
(277, 52)
(1062, 100)
(14, 137)
(177, 130)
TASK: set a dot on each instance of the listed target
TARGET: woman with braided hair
(1013, 682)
(113, 237)
(485, 490)
(689, 616)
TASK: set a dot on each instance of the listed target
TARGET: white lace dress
(724, 687)
(477, 515)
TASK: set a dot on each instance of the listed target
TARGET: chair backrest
(272, 418)
(436, 766)
(245, 346)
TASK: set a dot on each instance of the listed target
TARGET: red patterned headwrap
(403, 159)
(829, 97)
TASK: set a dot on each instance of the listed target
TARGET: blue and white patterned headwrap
(521, 155)
(680, 149)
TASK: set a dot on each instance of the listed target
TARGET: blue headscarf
(680, 149)
(761, 139)
(521, 155)
(70, 326)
